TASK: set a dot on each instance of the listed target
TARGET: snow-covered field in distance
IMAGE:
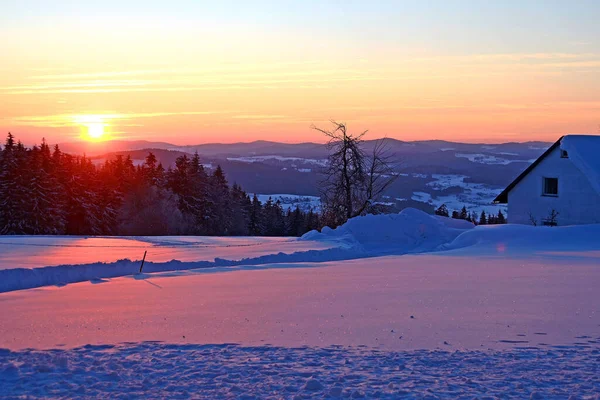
(406, 305)
(291, 201)
(490, 159)
(295, 160)
(476, 197)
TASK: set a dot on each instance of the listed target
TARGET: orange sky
(192, 79)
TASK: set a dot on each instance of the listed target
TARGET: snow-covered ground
(491, 159)
(38, 251)
(475, 196)
(409, 306)
(298, 160)
(305, 203)
(157, 370)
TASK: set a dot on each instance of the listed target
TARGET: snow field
(157, 370)
(409, 232)
(397, 306)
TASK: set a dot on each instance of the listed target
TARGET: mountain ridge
(263, 147)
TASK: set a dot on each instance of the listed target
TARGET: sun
(95, 130)
(93, 126)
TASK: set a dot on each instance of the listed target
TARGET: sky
(193, 71)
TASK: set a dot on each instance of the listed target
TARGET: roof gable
(584, 153)
(502, 198)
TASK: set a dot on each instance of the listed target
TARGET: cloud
(259, 116)
(65, 120)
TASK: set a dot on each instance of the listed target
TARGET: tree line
(46, 191)
(481, 219)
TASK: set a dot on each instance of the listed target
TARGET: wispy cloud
(196, 83)
(245, 67)
(64, 120)
(509, 57)
(69, 85)
(259, 116)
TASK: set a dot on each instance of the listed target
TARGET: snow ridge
(411, 231)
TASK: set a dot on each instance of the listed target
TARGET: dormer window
(564, 154)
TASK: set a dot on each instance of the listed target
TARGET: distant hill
(431, 172)
(98, 148)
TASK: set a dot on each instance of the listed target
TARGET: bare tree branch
(352, 180)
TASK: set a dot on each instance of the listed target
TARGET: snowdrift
(25, 278)
(524, 239)
(410, 231)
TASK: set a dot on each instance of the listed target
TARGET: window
(564, 154)
(550, 187)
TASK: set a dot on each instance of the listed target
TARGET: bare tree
(353, 180)
(551, 219)
(532, 219)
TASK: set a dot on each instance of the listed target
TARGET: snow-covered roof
(584, 152)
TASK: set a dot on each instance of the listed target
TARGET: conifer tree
(464, 214)
(483, 218)
(442, 211)
(11, 191)
(500, 219)
(255, 223)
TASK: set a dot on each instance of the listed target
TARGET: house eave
(502, 198)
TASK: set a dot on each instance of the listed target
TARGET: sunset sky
(190, 72)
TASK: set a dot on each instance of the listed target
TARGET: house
(562, 187)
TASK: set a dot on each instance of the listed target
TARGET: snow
(584, 152)
(510, 240)
(418, 232)
(475, 196)
(155, 370)
(480, 312)
(253, 159)
(489, 159)
(422, 197)
(410, 231)
(44, 251)
(306, 203)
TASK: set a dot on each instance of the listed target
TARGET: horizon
(150, 142)
(229, 72)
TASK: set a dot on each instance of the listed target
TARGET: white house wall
(577, 202)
